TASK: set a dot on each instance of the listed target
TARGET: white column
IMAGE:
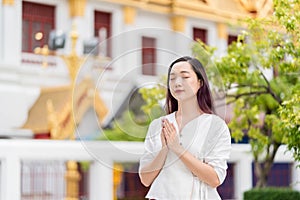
(81, 27)
(222, 38)
(101, 180)
(182, 46)
(242, 176)
(1, 31)
(10, 179)
(296, 176)
(222, 47)
(11, 41)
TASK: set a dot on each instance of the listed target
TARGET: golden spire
(73, 61)
(77, 7)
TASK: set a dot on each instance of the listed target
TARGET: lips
(179, 91)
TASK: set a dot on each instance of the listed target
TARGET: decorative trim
(178, 23)
(8, 2)
(204, 9)
(77, 8)
(253, 6)
(222, 31)
(129, 14)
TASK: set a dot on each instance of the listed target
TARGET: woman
(186, 150)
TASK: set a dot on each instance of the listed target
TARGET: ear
(200, 83)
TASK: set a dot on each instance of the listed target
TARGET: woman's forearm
(150, 171)
(203, 171)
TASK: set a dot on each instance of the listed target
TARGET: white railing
(13, 152)
(103, 154)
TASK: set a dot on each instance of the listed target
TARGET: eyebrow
(182, 72)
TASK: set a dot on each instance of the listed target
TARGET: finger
(164, 126)
(163, 123)
(165, 133)
(168, 132)
(170, 128)
(168, 123)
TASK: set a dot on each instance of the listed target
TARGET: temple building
(125, 44)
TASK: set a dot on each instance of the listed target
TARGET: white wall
(15, 102)
(159, 26)
(11, 33)
(11, 69)
(126, 48)
(1, 31)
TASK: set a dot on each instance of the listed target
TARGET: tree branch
(236, 97)
(269, 89)
(251, 86)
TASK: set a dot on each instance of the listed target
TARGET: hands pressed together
(169, 137)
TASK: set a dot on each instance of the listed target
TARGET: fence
(102, 155)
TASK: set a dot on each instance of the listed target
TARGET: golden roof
(56, 106)
(214, 10)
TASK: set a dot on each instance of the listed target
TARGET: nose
(178, 81)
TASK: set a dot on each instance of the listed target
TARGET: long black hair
(204, 96)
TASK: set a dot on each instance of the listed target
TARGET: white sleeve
(152, 143)
(219, 155)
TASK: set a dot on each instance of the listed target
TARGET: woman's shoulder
(216, 119)
(217, 124)
(218, 131)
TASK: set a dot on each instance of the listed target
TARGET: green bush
(271, 194)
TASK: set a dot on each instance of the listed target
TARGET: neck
(189, 108)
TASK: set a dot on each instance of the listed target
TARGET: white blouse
(206, 137)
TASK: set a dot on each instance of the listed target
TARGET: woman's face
(184, 83)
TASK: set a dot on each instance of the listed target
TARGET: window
(279, 176)
(201, 34)
(226, 190)
(148, 56)
(102, 30)
(231, 38)
(37, 22)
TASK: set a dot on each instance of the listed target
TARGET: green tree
(132, 125)
(153, 96)
(126, 128)
(265, 108)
